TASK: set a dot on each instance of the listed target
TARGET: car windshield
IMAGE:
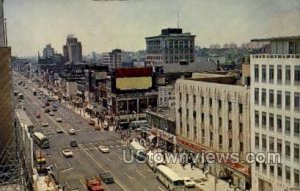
(178, 183)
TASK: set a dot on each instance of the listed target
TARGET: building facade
(48, 51)
(214, 116)
(275, 113)
(73, 49)
(170, 47)
(166, 94)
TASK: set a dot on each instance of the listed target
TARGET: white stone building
(165, 95)
(275, 113)
(213, 113)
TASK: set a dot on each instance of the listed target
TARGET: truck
(93, 184)
(40, 157)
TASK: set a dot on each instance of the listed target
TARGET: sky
(105, 25)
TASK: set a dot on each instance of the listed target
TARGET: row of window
(261, 97)
(279, 172)
(277, 123)
(265, 141)
(269, 74)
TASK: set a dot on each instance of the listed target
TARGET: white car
(59, 119)
(51, 114)
(188, 182)
(67, 153)
(44, 124)
(72, 131)
(104, 149)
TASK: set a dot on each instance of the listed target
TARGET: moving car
(73, 144)
(106, 177)
(44, 124)
(188, 182)
(59, 119)
(94, 184)
(67, 153)
(47, 110)
(103, 149)
(59, 131)
(92, 123)
(72, 131)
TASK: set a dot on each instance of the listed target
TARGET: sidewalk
(206, 184)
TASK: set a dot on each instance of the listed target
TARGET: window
(210, 102)
(202, 116)
(279, 99)
(230, 143)
(256, 73)
(264, 142)
(279, 170)
(287, 149)
(287, 126)
(195, 132)
(211, 136)
(240, 108)
(194, 99)
(256, 118)
(256, 96)
(272, 170)
(279, 74)
(203, 133)
(279, 124)
(287, 74)
(194, 114)
(296, 177)
(263, 97)
(287, 174)
(279, 146)
(296, 152)
(257, 140)
(230, 125)
(297, 102)
(229, 106)
(271, 122)
(210, 119)
(271, 144)
(220, 104)
(264, 120)
(220, 122)
(241, 128)
(220, 139)
(187, 98)
(271, 98)
(287, 100)
(202, 100)
(296, 127)
(263, 73)
(271, 74)
(241, 147)
(297, 75)
(180, 96)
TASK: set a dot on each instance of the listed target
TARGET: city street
(87, 160)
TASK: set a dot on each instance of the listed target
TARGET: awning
(151, 137)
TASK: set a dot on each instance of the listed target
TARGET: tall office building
(73, 49)
(170, 47)
(275, 113)
(48, 51)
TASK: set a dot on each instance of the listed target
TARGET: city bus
(41, 140)
(138, 124)
(137, 150)
(154, 159)
(169, 178)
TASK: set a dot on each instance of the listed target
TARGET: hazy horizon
(105, 25)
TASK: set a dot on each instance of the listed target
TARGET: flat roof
(277, 38)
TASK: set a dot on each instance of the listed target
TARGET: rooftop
(167, 113)
(277, 38)
(220, 78)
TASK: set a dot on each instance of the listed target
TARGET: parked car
(92, 123)
(188, 182)
(72, 131)
(73, 144)
(47, 110)
(106, 177)
(67, 153)
(51, 114)
(103, 149)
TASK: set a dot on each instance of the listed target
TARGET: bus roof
(137, 146)
(39, 135)
(168, 172)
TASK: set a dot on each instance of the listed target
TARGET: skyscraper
(275, 113)
(48, 51)
(73, 49)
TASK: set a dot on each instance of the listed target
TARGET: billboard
(134, 83)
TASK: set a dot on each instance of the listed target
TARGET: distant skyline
(105, 25)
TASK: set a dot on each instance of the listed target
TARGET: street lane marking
(98, 164)
(80, 162)
(137, 171)
(131, 177)
(145, 189)
(67, 169)
(82, 182)
(159, 188)
(68, 164)
(67, 184)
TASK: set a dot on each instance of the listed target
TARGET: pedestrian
(230, 182)
(206, 173)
